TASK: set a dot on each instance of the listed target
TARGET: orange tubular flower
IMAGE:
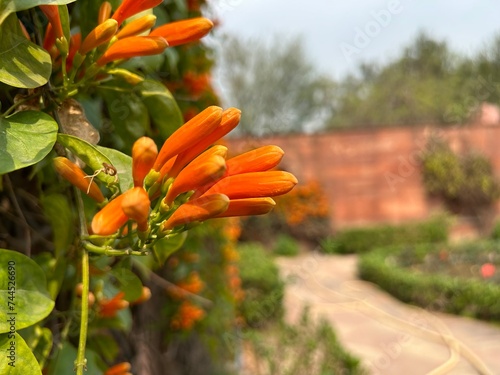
(133, 46)
(189, 134)
(110, 218)
(135, 205)
(130, 7)
(258, 160)
(185, 31)
(108, 308)
(101, 34)
(254, 185)
(72, 173)
(199, 209)
(49, 39)
(104, 12)
(144, 153)
(199, 172)
(74, 45)
(248, 207)
(122, 368)
(52, 13)
(230, 119)
(137, 26)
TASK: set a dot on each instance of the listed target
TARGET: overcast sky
(339, 35)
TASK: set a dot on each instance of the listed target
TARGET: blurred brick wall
(373, 176)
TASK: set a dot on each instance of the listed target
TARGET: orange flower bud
(187, 315)
(185, 31)
(145, 296)
(130, 7)
(49, 39)
(110, 218)
(144, 153)
(72, 173)
(135, 205)
(137, 26)
(189, 134)
(25, 32)
(122, 368)
(199, 172)
(133, 46)
(74, 45)
(258, 160)
(248, 207)
(52, 13)
(101, 34)
(108, 308)
(199, 209)
(254, 185)
(104, 12)
(230, 119)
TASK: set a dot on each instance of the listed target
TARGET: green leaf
(88, 153)
(55, 270)
(167, 246)
(123, 165)
(162, 107)
(22, 63)
(40, 341)
(129, 283)
(23, 292)
(61, 218)
(25, 138)
(11, 6)
(17, 358)
(65, 361)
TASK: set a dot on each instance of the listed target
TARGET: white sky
(327, 26)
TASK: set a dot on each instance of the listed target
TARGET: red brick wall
(373, 175)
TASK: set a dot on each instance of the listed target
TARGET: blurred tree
(275, 85)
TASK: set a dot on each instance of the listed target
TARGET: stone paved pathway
(391, 338)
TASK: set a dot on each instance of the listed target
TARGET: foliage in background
(361, 240)
(465, 182)
(285, 245)
(442, 278)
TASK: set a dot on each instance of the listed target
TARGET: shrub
(390, 269)
(261, 284)
(361, 240)
(285, 245)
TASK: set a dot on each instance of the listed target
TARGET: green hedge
(361, 240)
(436, 291)
(262, 285)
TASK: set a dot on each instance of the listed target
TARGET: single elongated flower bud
(137, 26)
(133, 46)
(73, 173)
(104, 12)
(49, 39)
(248, 207)
(199, 172)
(230, 119)
(110, 218)
(129, 77)
(258, 160)
(108, 308)
(144, 153)
(254, 185)
(101, 34)
(185, 31)
(52, 13)
(135, 205)
(215, 150)
(122, 368)
(196, 210)
(189, 134)
(130, 7)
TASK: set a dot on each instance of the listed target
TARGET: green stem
(107, 250)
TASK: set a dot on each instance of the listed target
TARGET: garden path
(390, 337)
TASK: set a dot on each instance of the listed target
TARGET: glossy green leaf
(89, 154)
(129, 283)
(23, 292)
(22, 63)
(11, 6)
(60, 214)
(123, 165)
(163, 109)
(167, 246)
(40, 340)
(17, 358)
(25, 139)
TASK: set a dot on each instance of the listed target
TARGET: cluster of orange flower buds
(187, 316)
(192, 178)
(114, 39)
